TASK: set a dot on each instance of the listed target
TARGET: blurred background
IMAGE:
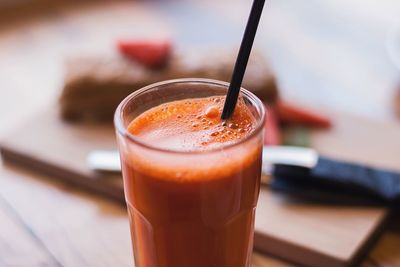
(335, 54)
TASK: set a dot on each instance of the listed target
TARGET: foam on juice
(192, 124)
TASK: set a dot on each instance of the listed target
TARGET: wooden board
(71, 228)
(304, 233)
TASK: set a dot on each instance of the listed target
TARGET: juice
(192, 203)
(191, 181)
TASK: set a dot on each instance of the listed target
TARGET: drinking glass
(190, 208)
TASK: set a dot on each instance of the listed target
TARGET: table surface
(47, 223)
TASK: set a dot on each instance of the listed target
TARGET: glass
(204, 215)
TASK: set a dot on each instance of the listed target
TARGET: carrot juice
(191, 181)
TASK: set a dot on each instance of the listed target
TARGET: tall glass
(190, 209)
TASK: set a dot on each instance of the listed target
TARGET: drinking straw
(242, 59)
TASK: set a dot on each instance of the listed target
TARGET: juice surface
(192, 124)
(189, 209)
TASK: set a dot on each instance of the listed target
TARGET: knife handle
(382, 182)
(344, 177)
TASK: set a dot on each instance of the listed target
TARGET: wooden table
(46, 223)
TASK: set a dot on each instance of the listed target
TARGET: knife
(108, 160)
(299, 170)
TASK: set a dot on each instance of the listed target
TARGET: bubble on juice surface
(212, 112)
(233, 125)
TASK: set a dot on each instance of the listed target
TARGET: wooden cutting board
(310, 234)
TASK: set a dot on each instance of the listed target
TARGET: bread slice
(94, 86)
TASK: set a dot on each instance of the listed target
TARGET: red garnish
(288, 113)
(152, 54)
(272, 133)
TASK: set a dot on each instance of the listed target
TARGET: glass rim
(118, 121)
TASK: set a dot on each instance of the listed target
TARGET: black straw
(242, 59)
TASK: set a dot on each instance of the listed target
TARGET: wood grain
(63, 151)
(387, 251)
(329, 235)
(20, 186)
(77, 229)
(16, 240)
(312, 234)
(260, 260)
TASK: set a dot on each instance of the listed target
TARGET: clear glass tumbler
(190, 209)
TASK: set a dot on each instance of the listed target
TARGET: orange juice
(192, 214)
